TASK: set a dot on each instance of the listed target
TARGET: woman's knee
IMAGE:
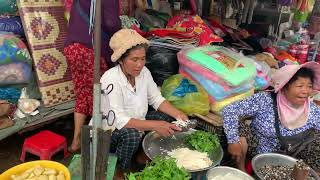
(244, 145)
(130, 136)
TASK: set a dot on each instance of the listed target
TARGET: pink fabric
(68, 4)
(289, 116)
(282, 76)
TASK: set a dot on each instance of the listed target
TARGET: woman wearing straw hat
(80, 56)
(285, 120)
(133, 90)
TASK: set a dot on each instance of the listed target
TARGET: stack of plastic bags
(225, 75)
(15, 60)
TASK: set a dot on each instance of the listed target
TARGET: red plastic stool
(44, 144)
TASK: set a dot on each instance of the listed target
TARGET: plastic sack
(15, 73)
(8, 7)
(185, 95)
(217, 106)
(162, 63)
(231, 67)
(216, 91)
(12, 25)
(10, 94)
(15, 60)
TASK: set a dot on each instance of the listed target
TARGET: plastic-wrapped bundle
(215, 90)
(262, 80)
(217, 106)
(233, 68)
(12, 24)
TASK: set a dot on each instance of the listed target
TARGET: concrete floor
(10, 148)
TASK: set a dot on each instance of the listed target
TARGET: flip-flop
(6, 122)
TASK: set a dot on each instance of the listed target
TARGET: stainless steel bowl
(275, 159)
(154, 145)
(221, 170)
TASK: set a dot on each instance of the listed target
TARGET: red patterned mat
(46, 30)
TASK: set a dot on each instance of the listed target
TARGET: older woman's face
(134, 62)
(298, 91)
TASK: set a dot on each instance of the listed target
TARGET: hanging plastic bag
(185, 95)
(303, 9)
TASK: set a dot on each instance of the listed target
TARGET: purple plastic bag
(11, 24)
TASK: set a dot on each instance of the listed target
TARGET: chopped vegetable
(203, 141)
(39, 173)
(161, 169)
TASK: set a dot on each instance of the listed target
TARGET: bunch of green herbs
(161, 169)
(203, 141)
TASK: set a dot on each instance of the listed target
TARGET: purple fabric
(79, 28)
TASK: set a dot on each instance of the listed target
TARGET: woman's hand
(181, 115)
(164, 128)
(3, 102)
(236, 151)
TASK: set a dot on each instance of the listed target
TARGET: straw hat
(123, 40)
(283, 75)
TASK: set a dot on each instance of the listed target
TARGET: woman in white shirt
(133, 90)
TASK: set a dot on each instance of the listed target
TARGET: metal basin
(154, 145)
(275, 159)
(220, 170)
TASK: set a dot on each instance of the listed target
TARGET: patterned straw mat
(46, 30)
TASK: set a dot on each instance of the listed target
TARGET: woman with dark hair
(133, 90)
(285, 120)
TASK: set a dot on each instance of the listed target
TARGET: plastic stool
(44, 144)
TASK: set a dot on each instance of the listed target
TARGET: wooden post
(104, 139)
(85, 152)
(97, 117)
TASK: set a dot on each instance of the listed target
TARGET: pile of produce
(195, 160)
(271, 172)
(40, 173)
(203, 141)
(159, 169)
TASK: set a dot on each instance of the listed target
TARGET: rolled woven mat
(46, 31)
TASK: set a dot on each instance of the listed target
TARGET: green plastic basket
(75, 167)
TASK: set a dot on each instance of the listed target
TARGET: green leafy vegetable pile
(161, 169)
(203, 141)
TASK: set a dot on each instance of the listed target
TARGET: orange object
(44, 144)
(283, 55)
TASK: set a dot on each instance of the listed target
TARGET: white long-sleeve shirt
(124, 100)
